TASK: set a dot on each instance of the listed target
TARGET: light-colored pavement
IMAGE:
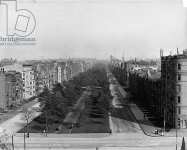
(121, 118)
(121, 140)
(13, 112)
(127, 135)
(147, 127)
(17, 122)
(73, 116)
(120, 125)
(137, 116)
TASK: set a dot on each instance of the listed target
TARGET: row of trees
(145, 93)
(57, 103)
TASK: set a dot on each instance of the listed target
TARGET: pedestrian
(110, 131)
(162, 132)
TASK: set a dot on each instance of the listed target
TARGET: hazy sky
(98, 28)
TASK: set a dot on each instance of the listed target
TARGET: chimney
(177, 51)
(161, 53)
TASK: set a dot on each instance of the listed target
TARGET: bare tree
(4, 145)
(28, 114)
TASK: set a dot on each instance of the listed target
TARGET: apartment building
(67, 71)
(28, 76)
(3, 99)
(14, 88)
(60, 72)
(174, 89)
(10, 89)
(145, 87)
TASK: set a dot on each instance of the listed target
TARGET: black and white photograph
(93, 74)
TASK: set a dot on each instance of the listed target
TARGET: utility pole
(12, 142)
(164, 121)
(165, 94)
(176, 126)
(46, 126)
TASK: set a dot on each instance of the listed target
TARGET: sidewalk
(147, 127)
(180, 133)
(17, 121)
(11, 113)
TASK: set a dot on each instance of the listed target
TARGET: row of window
(179, 122)
(31, 87)
(182, 123)
(179, 110)
(27, 73)
(178, 77)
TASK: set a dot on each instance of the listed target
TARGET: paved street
(13, 112)
(91, 141)
(121, 118)
(17, 122)
(133, 119)
(127, 132)
(119, 126)
(73, 116)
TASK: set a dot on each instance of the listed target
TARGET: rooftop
(176, 56)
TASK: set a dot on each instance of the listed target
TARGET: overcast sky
(99, 28)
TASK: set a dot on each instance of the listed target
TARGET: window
(178, 88)
(179, 66)
(179, 110)
(179, 99)
(179, 122)
(179, 77)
